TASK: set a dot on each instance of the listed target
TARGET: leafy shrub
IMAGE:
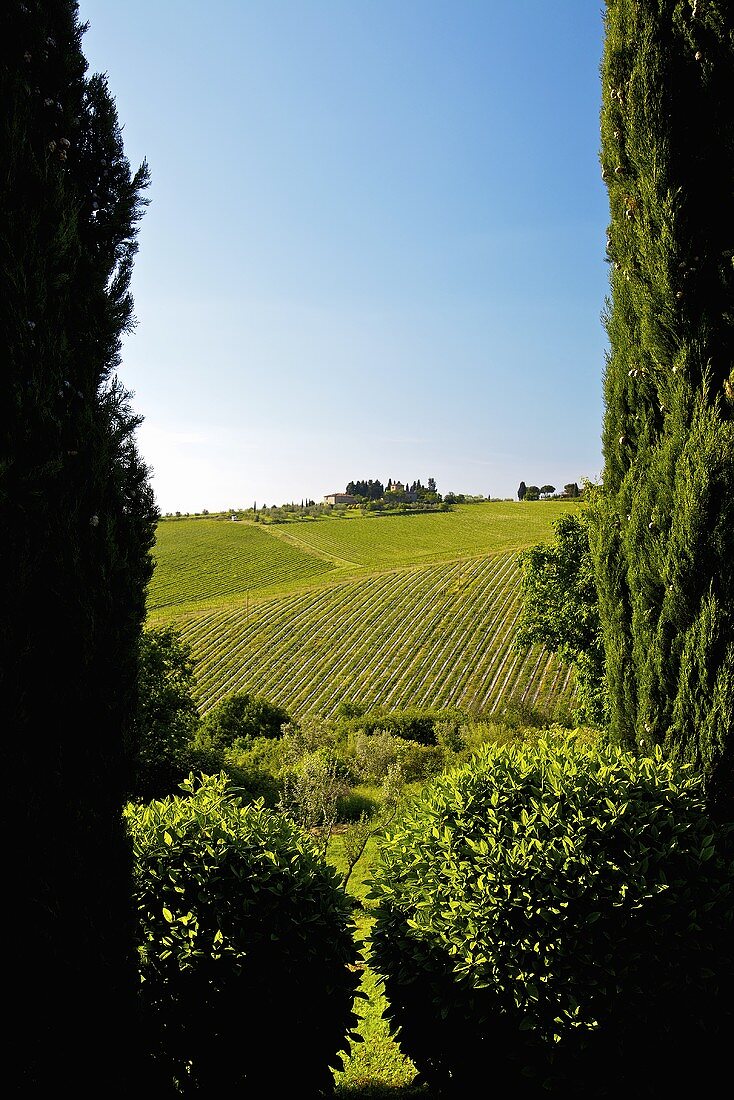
(254, 765)
(420, 762)
(451, 737)
(312, 788)
(242, 714)
(246, 947)
(561, 912)
(412, 723)
(373, 754)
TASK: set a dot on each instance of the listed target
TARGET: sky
(374, 246)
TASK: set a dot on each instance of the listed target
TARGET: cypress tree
(77, 519)
(663, 525)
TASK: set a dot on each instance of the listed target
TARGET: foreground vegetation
(521, 909)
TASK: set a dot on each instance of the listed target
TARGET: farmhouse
(340, 498)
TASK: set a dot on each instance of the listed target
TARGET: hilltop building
(340, 498)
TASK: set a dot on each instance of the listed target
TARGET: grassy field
(199, 562)
(382, 542)
(395, 611)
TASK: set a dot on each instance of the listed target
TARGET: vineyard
(393, 611)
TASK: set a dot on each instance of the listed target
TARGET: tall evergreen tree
(77, 519)
(663, 526)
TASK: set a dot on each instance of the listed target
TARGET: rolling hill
(401, 610)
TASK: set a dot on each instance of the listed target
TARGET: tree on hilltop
(522, 489)
(662, 532)
(78, 520)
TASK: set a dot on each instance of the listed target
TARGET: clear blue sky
(375, 243)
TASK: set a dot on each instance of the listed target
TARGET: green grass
(375, 1067)
(382, 542)
(204, 561)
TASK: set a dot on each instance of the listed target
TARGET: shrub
(561, 912)
(373, 754)
(242, 714)
(167, 715)
(413, 724)
(246, 945)
(254, 765)
(420, 762)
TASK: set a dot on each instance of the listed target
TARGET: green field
(391, 611)
(203, 561)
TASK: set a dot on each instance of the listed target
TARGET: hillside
(398, 611)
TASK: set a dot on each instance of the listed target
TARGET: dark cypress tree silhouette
(521, 491)
(663, 525)
(78, 520)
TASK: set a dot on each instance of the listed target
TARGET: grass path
(375, 1068)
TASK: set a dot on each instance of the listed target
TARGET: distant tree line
(369, 490)
(545, 492)
(372, 490)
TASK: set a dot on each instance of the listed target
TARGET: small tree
(532, 492)
(522, 489)
(242, 714)
(547, 490)
(561, 611)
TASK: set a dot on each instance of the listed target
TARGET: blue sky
(374, 245)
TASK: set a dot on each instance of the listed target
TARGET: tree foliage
(663, 528)
(561, 611)
(242, 714)
(245, 943)
(78, 519)
(167, 716)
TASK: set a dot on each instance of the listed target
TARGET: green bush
(412, 723)
(420, 762)
(559, 913)
(371, 755)
(246, 947)
(167, 716)
(243, 714)
(254, 765)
